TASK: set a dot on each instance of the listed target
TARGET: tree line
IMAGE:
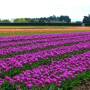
(51, 19)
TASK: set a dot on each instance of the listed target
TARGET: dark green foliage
(7, 86)
(86, 19)
(71, 84)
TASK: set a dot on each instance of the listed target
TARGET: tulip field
(44, 61)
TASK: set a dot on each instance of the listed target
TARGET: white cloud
(76, 9)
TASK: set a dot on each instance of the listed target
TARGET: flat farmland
(45, 58)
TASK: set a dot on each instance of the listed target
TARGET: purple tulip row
(41, 46)
(16, 44)
(34, 37)
(37, 41)
(27, 42)
(20, 60)
(55, 73)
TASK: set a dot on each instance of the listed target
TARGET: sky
(76, 9)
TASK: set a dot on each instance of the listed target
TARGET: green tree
(5, 21)
(20, 20)
(86, 19)
(65, 19)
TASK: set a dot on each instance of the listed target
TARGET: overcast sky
(76, 9)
